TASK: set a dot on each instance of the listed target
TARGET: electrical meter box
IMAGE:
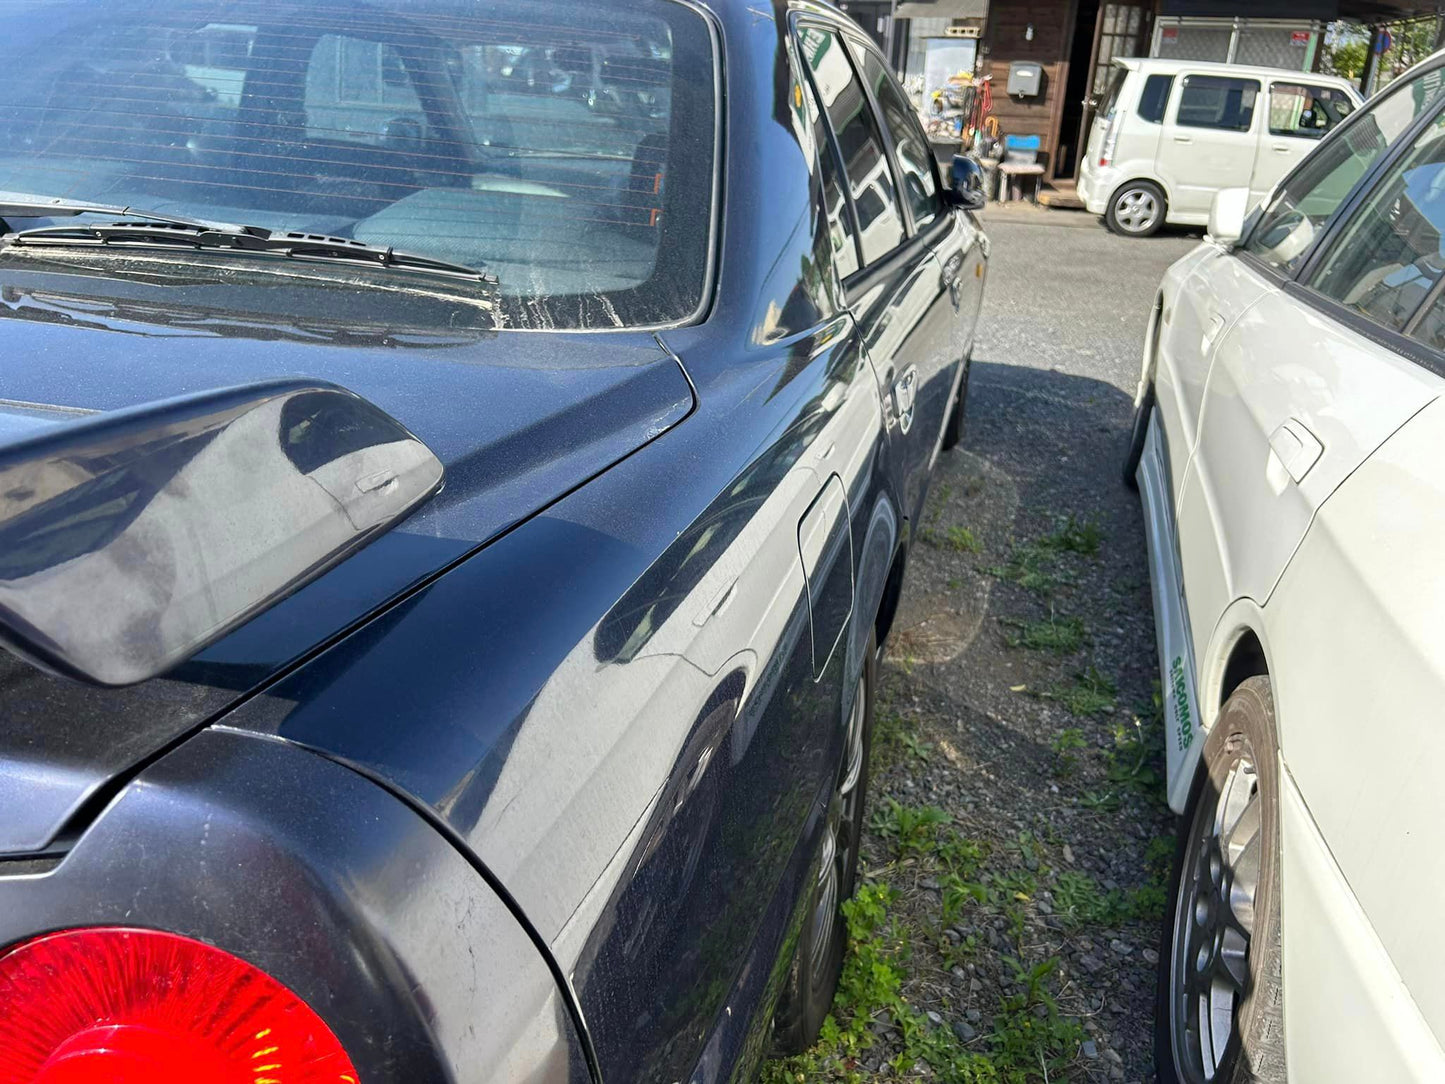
(1025, 79)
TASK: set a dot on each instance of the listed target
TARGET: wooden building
(1075, 40)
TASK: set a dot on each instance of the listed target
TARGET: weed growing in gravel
(1037, 565)
(1074, 536)
(1064, 744)
(1028, 1034)
(1092, 693)
(913, 829)
(958, 539)
(1059, 635)
(1079, 901)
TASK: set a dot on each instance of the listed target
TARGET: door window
(1216, 101)
(1389, 259)
(910, 148)
(358, 90)
(1154, 98)
(1297, 109)
(1310, 196)
(842, 239)
(870, 179)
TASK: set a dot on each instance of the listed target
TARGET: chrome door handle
(905, 397)
(1296, 447)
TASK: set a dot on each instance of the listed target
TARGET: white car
(1289, 446)
(1169, 134)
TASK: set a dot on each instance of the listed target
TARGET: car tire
(953, 429)
(1221, 941)
(1136, 209)
(817, 962)
(1138, 434)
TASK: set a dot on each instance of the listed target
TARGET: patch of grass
(955, 583)
(1065, 743)
(1079, 901)
(913, 830)
(1091, 693)
(1058, 635)
(1073, 535)
(1100, 801)
(895, 737)
(957, 539)
(1130, 760)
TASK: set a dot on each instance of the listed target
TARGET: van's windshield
(1112, 89)
(550, 143)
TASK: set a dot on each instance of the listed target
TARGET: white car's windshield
(546, 143)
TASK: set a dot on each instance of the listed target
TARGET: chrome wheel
(841, 844)
(1214, 923)
(1136, 210)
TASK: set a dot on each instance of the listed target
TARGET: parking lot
(1019, 842)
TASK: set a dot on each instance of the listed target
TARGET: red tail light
(143, 1007)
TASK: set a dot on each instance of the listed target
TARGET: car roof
(1163, 66)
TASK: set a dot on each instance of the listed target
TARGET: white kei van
(1168, 134)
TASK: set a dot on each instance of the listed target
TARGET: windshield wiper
(220, 237)
(24, 205)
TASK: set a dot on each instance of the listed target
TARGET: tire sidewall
(1111, 217)
(804, 1005)
(1256, 1052)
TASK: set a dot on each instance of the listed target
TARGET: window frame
(1298, 286)
(1303, 84)
(1361, 189)
(1181, 87)
(911, 227)
(1170, 79)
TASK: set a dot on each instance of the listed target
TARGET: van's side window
(1155, 97)
(1297, 109)
(1216, 101)
(1305, 202)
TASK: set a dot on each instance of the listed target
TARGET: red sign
(1300, 38)
(1168, 33)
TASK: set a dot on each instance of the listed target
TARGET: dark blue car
(458, 465)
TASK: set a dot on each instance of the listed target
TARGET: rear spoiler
(131, 540)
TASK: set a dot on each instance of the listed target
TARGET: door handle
(1282, 148)
(1216, 325)
(1183, 139)
(905, 397)
(1296, 447)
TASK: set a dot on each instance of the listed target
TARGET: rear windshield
(567, 148)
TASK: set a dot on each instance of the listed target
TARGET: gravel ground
(1013, 873)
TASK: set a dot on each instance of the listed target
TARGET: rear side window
(1110, 99)
(1215, 101)
(567, 149)
(910, 148)
(842, 239)
(1298, 109)
(870, 179)
(1309, 197)
(1390, 259)
(1155, 97)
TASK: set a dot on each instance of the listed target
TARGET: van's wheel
(1136, 209)
(813, 977)
(1219, 1016)
(1138, 434)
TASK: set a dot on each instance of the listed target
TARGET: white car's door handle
(1216, 325)
(1282, 148)
(1297, 448)
(1183, 139)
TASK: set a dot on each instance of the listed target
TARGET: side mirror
(131, 540)
(1226, 216)
(967, 180)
